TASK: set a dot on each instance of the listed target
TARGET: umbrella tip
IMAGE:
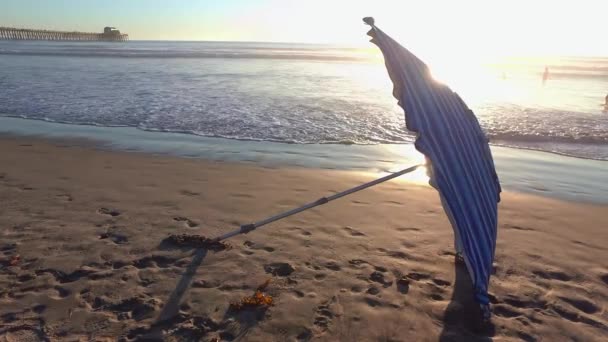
(369, 21)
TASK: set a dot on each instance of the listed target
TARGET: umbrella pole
(244, 229)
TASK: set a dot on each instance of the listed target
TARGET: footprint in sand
(26, 277)
(436, 296)
(576, 317)
(320, 276)
(332, 265)
(505, 311)
(137, 308)
(378, 277)
(373, 302)
(418, 276)
(305, 335)
(22, 333)
(381, 269)
(403, 285)
(109, 212)
(581, 304)
(65, 198)
(182, 327)
(160, 261)
(515, 227)
(324, 315)
(241, 195)
(188, 222)
(301, 231)
(116, 238)
(189, 193)
(357, 289)
(8, 248)
(526, 337)
(205, 284)
(63, 277)
(40, 308)
(399, 255)
(409, 244)
(441, 282)
(358, 263)
(373, 290)
(281, 269)
(553, 275)
(255, 246)
(61, 292)
(298, 293)
(408, 229)
(525, 303)
(353, 232)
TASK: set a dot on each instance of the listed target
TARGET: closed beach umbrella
(461, 166)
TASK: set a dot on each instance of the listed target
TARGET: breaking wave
(270, 92)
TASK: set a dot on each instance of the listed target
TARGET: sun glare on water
(408, 157)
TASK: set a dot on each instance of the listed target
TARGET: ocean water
(295, 93)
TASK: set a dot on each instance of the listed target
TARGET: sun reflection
(420, 176)
(478, 83)
(407, 156)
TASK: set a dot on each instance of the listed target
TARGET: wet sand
(83, 255)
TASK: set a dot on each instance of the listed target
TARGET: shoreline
(496, 143)
(83, 254)
(524, 170)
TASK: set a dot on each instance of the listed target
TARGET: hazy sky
(482, 27)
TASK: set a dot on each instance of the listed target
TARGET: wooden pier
(110, 34)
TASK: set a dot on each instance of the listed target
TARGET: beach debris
(281, 269)
(197, 241)
(258, 300)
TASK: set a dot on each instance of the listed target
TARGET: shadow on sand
(185, 326)
(171, 309)
(462, 319)
(169, 315)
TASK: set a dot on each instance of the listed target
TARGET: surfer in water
(546, 75)
(606, 105)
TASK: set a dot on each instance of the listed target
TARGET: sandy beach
(84, 256)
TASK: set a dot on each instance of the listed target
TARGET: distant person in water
(546, 75)
(606, 104)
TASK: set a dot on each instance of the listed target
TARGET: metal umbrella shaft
(251, 226)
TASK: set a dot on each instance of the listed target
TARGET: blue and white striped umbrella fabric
(461, 165)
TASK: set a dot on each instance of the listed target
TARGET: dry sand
(88, 227)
